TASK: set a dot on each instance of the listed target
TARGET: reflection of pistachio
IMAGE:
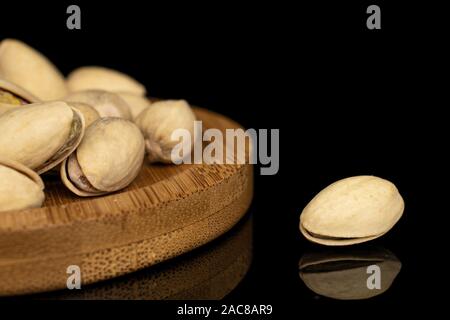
(24, 66)
(343, 274)
(20, 187)
(87, 78)
(40, 135)
(351, 211)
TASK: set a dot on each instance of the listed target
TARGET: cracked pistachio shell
(159, 121)
(106, 103)
(12, 96)
(108, 159)
(89, 113)
(136, 103)
(343, 274)
(29, 69)
(352, 210)
(40, 135)
(87, 78)
(20, 187)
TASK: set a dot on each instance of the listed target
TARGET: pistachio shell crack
(108, 159)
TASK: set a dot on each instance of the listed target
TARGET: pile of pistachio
(94, 127)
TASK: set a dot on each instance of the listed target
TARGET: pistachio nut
(136, 103)
(89, 113)
(20, 187)
(29, 69)
(159, 121)
(352, 210)
(92, 77)
(40, 135)
(108, 159)
(344, 274)
(106, 103)
(12, 96)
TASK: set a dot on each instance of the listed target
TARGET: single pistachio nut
(159, 121)
(108, 159)
(12, 96)
(93, 77)
(352, 210)
(344, 274)
(29, 69)
(89, 113)
(20, 187)
(106, 103)
(136, 103)
(40, 135)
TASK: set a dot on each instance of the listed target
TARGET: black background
(347, 101)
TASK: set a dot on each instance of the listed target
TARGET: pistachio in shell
(29, 69)
(136, 103)
(351, 211)
(89, 113)
(106, 103)
(20, 187)
(343, 275)
(93, 77)
(40, 135)
(12, 96)
(158, 121)
(108, 159)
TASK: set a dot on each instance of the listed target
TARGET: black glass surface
(347, 102)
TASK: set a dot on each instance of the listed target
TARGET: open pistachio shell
(106, 103)
(343, 275)
(108, 159)
(20, 187)
(136, 103)
(89, 113)
(352, 210)
(12, 96)
(41, 135)
(86, 78)
(27, 68)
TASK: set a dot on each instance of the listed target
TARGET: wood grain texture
(168, 210)
(208, 273)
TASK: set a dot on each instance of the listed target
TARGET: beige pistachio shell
(89, 113)
(40, 135)
(15, 95)
(159, 121)
(87, 78)
(108, 159)
(106, 103)
(343, 274)
(12, 96)
(352, 210)
(20, 187)
(136, 103)
(27, 68)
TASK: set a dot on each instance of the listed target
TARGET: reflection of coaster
(207, 273)
(343, 274)
(167, 211)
